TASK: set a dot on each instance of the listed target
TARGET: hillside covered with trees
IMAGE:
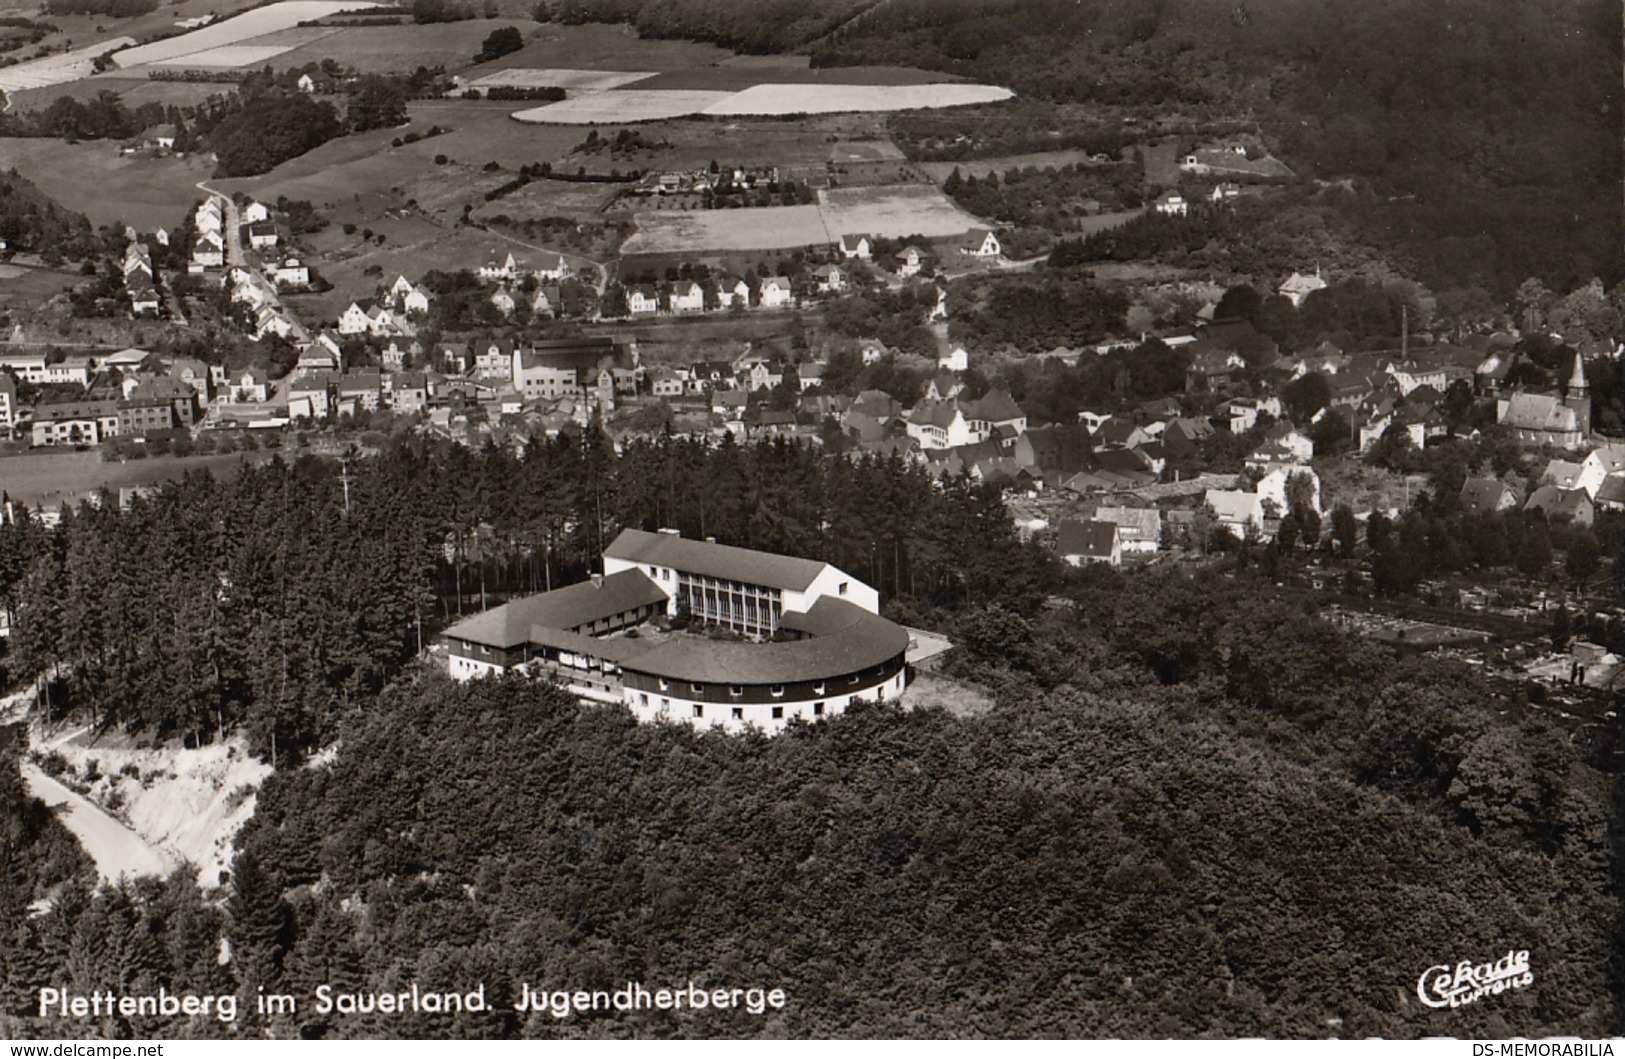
(1196, 810)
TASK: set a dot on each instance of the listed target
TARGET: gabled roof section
(714, 560)
(566, 608)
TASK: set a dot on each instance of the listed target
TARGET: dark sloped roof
(1090, 537)
(847, 639)
(714, 560)
(1481, 496)
(565, 608)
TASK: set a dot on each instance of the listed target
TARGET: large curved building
(750, 639)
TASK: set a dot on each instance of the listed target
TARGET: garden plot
(608, 108)
(830, 99)
(891, 212)
(236, 30)
(57, 69)
(575, 80)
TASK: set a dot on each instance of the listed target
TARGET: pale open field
(828, 99)
(642, 101)
(744, 71)
(236, 30)
(891, 212)
(608, 108)
(57, 69)
(555, 77)
(230, 55)
(92, 178)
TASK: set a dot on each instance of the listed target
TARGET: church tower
(1578, 395)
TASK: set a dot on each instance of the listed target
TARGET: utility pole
(344, 476)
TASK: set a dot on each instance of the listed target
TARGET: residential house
(642, 300)
(873, 351)
(687, 297)
(939, 425)
(1089, 541)
(667, 382)
(364, 386)
(732, 291)
(502, 301)
(311, 396)
(318, 358)
(195, 374)
(956, 359)
(1238, 512)
(144, 301)
(290, 273)
(856, 246)
(406, 392)
(1571, 504)
(1610, 494)
(251, 386)
(1139, 529)
(354, 320)
(980, 242)
(910, 260)
(1602, 462)
(1486, 496)
(831, 280)
(809, 373)
(256, 213)
(775, 293)
(1296, 287)
(1275, 486)
(552, 267)
(262, 236)
(507, 269)
(1171, 204)
(75, 423)
(8, 404)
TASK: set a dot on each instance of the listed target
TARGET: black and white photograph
(748, 519)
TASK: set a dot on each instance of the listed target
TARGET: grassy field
(28, 289)
(91, 178)
(51, 478)
(603, 47)
(132, 86)
(403, 48)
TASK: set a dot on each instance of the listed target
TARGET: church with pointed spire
(1545, 419)
(1578, 394)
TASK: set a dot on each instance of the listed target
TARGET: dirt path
(116, 849)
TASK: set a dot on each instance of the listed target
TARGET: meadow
(57, 69)
(51, 478)
(94, 179)
(639, 101)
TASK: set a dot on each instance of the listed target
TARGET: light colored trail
(116, 849)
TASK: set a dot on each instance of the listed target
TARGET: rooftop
(714, 560)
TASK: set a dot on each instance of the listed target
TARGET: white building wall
(673, 707)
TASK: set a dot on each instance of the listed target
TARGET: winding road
(117, 851)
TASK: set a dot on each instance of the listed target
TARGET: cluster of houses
(122, 394)
(1568, 489)
(140, 281)
(209, 242)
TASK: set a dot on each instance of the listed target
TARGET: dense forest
(31, 223)
(283, 598)
(1197, 810)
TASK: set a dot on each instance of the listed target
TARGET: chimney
(671, 532)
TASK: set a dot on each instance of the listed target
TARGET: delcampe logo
(1443, 987)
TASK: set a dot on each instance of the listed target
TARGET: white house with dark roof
(980, 242)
